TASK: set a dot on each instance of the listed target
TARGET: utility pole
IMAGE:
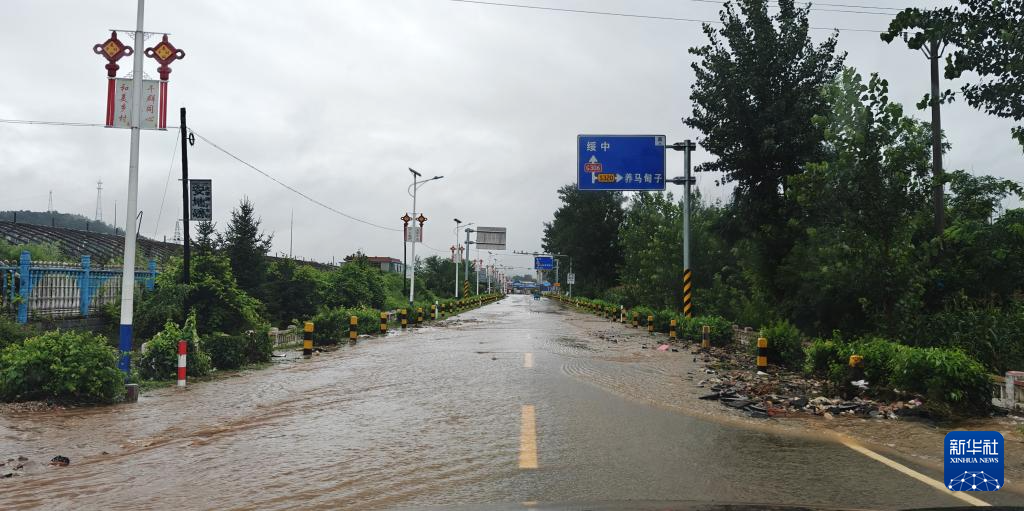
(187, 252)
(291, 236)
(455, 258)
(687, 180)
(415, 186)
(934, 52)
(128, 270)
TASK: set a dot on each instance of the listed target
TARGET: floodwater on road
(436, 416)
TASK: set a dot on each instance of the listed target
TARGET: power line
(814, 7)
(297, 192)
(632, 15)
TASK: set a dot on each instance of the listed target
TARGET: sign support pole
(687, 146)
(128, 269)
(412, 278)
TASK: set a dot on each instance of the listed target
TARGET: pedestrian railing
(45, 289)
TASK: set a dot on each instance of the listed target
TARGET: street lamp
(416, 184)
(454, 250)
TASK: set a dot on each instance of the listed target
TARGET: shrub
(784, 345)
(721, 329)
(12, 332)
(226, 351)
(820, 355)
(160, 359)
(332, 324)
(65, 366)
(234, 351)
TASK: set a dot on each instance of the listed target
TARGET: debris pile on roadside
(730, 379)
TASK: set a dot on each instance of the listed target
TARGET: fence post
(383, 323)
(762, 354)
(24, 285)
(152, 275)
(182, 364)
(84, 287)
(307, 339)
(353, 328)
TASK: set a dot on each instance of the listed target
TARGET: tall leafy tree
(985, 41)
(757, 87)
(247, 247)
(586, 228)
(207, 240)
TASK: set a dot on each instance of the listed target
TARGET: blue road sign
(620, 162)
(543, 263)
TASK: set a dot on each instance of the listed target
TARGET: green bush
(226, 351)
(819, 356)
(13, 333)
(259, 347)
(784, 344)
(160, 359)
(332, 324)
(65, 366)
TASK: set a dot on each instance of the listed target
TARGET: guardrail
(47, 289)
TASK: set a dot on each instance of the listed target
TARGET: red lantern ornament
(112, 49)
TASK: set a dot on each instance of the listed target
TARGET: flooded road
(511, 403)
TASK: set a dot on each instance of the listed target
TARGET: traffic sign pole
(687, 147)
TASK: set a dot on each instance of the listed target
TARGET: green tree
(293, 291)
(586, 228)
(247, 247)
(354, 284)
(863, 210)
(757, 87)
(985, 35)
(207, 240)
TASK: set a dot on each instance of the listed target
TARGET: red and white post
(182, 350)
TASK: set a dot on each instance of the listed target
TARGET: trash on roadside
(60, 461)
(860, 384)
(663, 347)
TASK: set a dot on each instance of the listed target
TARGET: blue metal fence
(59, 290)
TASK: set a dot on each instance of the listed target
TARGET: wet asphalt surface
(435, 417)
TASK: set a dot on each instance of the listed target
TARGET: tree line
(830, 223)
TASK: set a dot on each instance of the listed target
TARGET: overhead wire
(633, 15)
(289, 187)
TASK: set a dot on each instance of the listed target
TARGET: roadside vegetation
(235, 295)
(830, 231)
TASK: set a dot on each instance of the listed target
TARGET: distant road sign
(490, 238)
(543, 263)
(200, 200)
(620, 162)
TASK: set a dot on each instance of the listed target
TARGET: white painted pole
(412, 258)
(128, 271)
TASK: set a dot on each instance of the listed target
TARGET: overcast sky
(339, 98)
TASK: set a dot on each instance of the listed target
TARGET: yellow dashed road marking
(528, 438)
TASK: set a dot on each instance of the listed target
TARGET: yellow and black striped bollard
(672, 330)
(433, 311)
(307, 339)
(650, 324)
(405, 318)
(762, 354)
(419, 315)
(383, 323)
(636, 320)
(705, 337)
(687, 295)
(353, 328)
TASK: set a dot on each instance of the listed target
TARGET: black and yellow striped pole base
(383, 323)
(419, 315)
(353, 328)
(636, 320)
(465, 288)
(672, 329)
(307, 339)
(433, 311)
(705, 337)
(762, 354)
(650, 324)
(687, 293)
(405, 318)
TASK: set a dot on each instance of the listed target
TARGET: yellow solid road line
(528, 438)
(528, 360)
(915, 474)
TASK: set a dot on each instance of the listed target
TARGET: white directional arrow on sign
(618, 177)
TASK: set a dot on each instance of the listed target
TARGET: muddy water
(371, 425)
(431, 417)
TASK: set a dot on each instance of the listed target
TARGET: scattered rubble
(736, 384)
